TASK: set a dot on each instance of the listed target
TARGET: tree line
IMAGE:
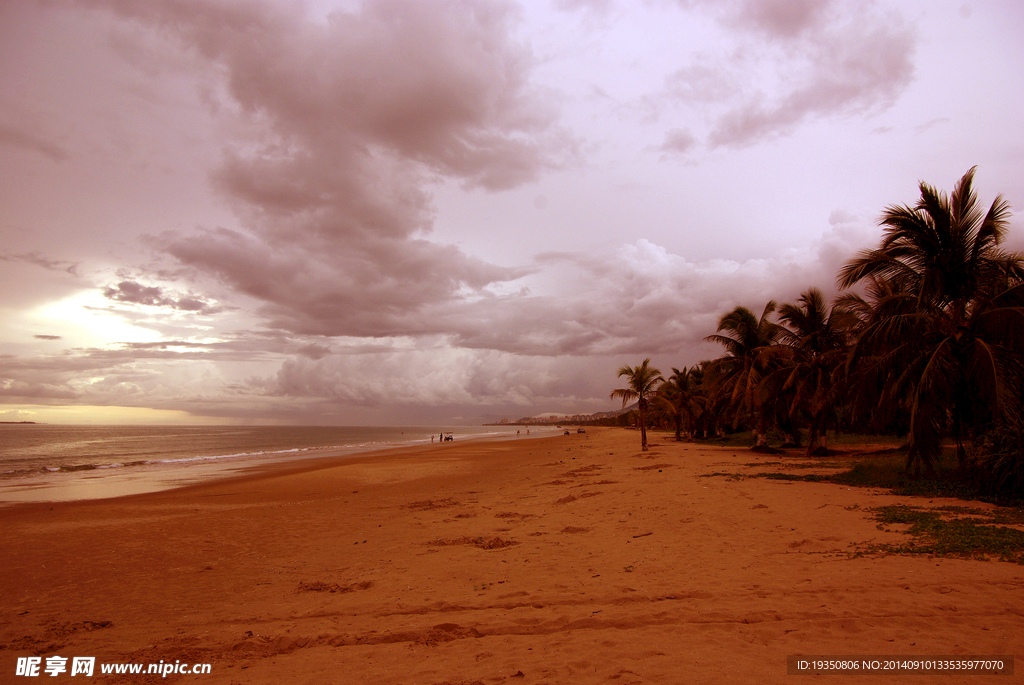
(925, 339)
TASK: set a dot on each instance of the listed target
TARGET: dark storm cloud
(361, 288)
(348, 123)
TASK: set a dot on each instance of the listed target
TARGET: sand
(571, 559)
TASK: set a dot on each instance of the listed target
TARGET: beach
(47, 463)
(568, 559)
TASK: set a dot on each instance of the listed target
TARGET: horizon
(390, 213)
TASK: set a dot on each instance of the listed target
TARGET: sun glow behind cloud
(102, 415)
(85, 319)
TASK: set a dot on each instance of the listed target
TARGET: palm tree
(705, 422)
(870, 397)
(738, 375)
(680, 397)
(817, 338)
(950, 339)
(643, 383)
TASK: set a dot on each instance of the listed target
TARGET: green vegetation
(941, 532)
(946, 531)
(886, 470)
(926, 342)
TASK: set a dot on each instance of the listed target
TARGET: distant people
(431, 438)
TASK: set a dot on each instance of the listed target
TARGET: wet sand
(571, 559)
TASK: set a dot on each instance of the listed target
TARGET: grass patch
(894, 479)
(741, 440)
(810, 478)
(722, 474)
(886, 471)
(947, 531)
(862, 440)
(745, 439)
(822, 464)
(941, 533)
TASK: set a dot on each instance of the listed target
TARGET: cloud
(511, 355)
(600, 7)
(678, 141)
(442, 84)
(442, 376)
(782, 18)
(788, 61)
(167, 374)
(26, 140)
(928, 125)
(340, 129)
(17, 415)
(132, 292)
(47, 337)
(44, 262)
(343, 125)
(642, 299)
(538, 351)
(18, 390)
(849, 78)
(371, 287)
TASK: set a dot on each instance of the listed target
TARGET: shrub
(1000, 460)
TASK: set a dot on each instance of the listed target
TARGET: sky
(409, 212)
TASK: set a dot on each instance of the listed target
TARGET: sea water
(59, 462)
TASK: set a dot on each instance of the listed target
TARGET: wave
(184, 461)
(24, 468)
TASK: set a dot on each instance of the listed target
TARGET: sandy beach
(569, 559)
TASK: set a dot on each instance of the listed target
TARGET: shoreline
(82, 483)
(566, 559)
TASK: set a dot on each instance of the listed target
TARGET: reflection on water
(58, 489)
(40, 463)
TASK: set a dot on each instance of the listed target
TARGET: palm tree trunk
(958, 430)
(643, 427)
(762, 430)
(818, 437)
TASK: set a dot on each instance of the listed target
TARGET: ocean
(59, 463)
